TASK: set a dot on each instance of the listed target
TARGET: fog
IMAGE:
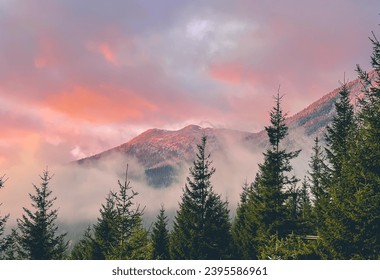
(80, 189)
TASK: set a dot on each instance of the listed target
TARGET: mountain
(162, 153)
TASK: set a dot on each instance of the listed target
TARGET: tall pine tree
(352, 224)
(160, 237)
(131, 238)
(39, 235)
(105, 230)
(201, 227)
(337, 136)
(118, 233)
(267, 211)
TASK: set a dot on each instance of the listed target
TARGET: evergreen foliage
(270, 208)
(352, 218)
(118, 233)
(3, 220)
(12, 246)
(201, 226)
(86, 248)
(291, 247)
(39, 238)
(242, 235)
(337, 136)
(318, 178)
(160, 237)
(105, 230)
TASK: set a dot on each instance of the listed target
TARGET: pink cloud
(95, 106)
(107, 53)
(228, 73)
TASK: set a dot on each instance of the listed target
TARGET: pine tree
(118, 233)
(268, 212)
(3, 220)
(105, 230)
(39, 238)
(160, 237)
(86, 248)
(318, 177)
(352, 223)
(335, 227)
(242, 231)
(131, 239)
(201, 227)
(369, 113)
(12, 246)
(305, 212)
(338, 132)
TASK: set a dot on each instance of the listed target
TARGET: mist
(81, 189)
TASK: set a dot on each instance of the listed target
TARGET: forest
(331, 213)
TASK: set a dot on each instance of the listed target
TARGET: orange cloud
(93, 106)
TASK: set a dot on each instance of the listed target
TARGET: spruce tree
(305, 211)
(12, 246)
(118, 233)
(335, 227)
(3, 220)
(131, 239)
(242, 231)
(39, 238)
(268, 212)
(352, 224)
(160, 237)
(105, 230)
(338, 132)
(318, 178)
(362, 172)
(201, 227)
(86, 248)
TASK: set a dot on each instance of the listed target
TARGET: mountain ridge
(162, 152)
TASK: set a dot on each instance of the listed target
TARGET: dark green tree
(201, 227)
(105, 230)
(242, 230)
(335, 227)
(305, 210)
(118, 233)
(12, 246)
(131, 239)
(3, 220)
(338, 132)
(318, 178)
(39, 235)
(291, 247)
(86, 248)
(160, 237)
(268, 211)
(352, 222)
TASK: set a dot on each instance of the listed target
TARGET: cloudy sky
(78, 77)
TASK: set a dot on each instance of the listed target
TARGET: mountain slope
(162, 153)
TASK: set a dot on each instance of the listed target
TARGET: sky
(80, 77)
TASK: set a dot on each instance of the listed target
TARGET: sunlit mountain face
(163, 153)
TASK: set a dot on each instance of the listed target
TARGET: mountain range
(162, 153)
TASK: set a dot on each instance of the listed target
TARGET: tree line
(332, 213)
